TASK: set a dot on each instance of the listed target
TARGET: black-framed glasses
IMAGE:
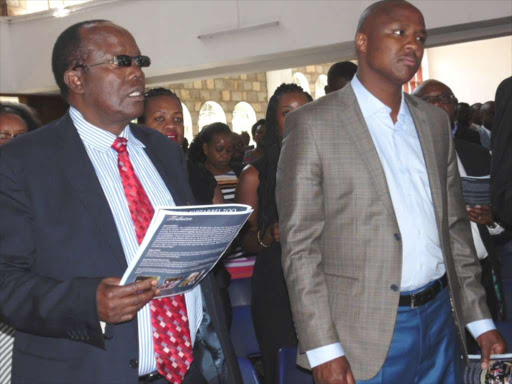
(121, 61)
(447, 99)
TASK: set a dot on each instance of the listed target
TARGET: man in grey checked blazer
(342, 244)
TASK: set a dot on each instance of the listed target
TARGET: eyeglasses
(120, 61)
(448, 99)
(7, 135)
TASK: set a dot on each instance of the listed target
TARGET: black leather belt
(151, 378)
(423, 297)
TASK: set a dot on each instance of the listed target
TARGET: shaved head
(390, 43)
(438, 94)
(378, 9)
(429, 85)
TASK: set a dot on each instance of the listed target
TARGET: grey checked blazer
(342, 251)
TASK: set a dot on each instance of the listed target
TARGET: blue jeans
(424, 348)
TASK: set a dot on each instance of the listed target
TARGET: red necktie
(171, 333)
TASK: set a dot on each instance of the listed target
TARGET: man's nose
(413, 43)
(136, 71)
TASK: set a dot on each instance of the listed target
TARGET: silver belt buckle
(413, 301)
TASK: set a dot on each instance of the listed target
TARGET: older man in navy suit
(67, 230)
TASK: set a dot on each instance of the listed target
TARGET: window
(24, 7)
(9, 99)
(301, 80)
(243, 118)
(187, 122)
(211, 112)
(320, 84)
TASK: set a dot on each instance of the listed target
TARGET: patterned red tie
(171, 333)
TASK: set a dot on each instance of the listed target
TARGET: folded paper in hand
(476, 190)
(183, 244)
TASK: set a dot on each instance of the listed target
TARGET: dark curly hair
(267, 188)
(195, 150)
(27, 114)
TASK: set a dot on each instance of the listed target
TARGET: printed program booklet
(476, 190)
(183, 244)
(499, 371)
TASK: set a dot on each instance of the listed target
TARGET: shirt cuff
(479, 327)
(496, 230)
(324, 354)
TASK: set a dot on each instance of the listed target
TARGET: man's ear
(74, 81)
(361, 42)
(205, 149)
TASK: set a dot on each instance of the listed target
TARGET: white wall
(309, 32)
(7, 78)
(276, 78)
(472, 70)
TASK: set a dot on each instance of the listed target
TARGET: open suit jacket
(342, 250)
(58, 239)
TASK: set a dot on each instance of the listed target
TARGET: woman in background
(212, 152)
(271, 311)
(164, 113)
(258, 134)
(15, 120)
(214, 149)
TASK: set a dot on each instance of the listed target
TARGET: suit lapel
(352, 119)
(426, 136)
(76, 165)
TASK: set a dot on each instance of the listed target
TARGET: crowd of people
(359, 247)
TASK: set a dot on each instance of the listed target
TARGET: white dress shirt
(401, 156)
(98, 144)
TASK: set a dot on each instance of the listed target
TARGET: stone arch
(187, 123)
(301, 80)
(244, 117)
(320, 84)
(211, 112)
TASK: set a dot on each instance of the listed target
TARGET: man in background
(476, 119)
(474, 160)
(339, 75)
(440, 95)
(487, 113)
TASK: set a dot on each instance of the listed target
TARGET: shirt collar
(370, 105)
(99, 138)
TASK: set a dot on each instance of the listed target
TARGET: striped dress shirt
(98, 144)
(6, 345)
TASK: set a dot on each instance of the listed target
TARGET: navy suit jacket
(58, 239)
(477, 162)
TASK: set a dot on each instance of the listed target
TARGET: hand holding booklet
(476, 190)
(183, 244)
(499, 371)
